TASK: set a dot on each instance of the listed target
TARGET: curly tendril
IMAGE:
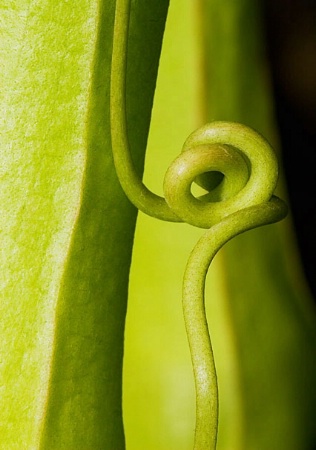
(238, 169)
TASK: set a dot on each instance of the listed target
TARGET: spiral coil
(239, 171)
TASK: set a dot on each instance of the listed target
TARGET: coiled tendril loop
(239, 170)
(244, 158)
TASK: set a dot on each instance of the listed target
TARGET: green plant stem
(194, 310)
(137, 192)
(242, 155)
(239, 200)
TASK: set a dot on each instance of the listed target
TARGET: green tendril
(145, 200)
(239, 170)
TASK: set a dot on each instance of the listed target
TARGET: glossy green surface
(66, 227)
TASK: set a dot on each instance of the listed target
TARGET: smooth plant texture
(194, 310)
(270, 312)
(66, 227)
(257, 308)
(240, 200)
(143, 199)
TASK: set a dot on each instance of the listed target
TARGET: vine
(239, 170)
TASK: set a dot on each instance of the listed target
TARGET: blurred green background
(259, 307)
(158, 381)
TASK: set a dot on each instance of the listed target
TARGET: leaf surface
(66, 227)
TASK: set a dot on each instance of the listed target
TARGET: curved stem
(136, 191)
(194, 310)
(242, 200)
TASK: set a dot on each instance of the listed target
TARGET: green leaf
(66, 227)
